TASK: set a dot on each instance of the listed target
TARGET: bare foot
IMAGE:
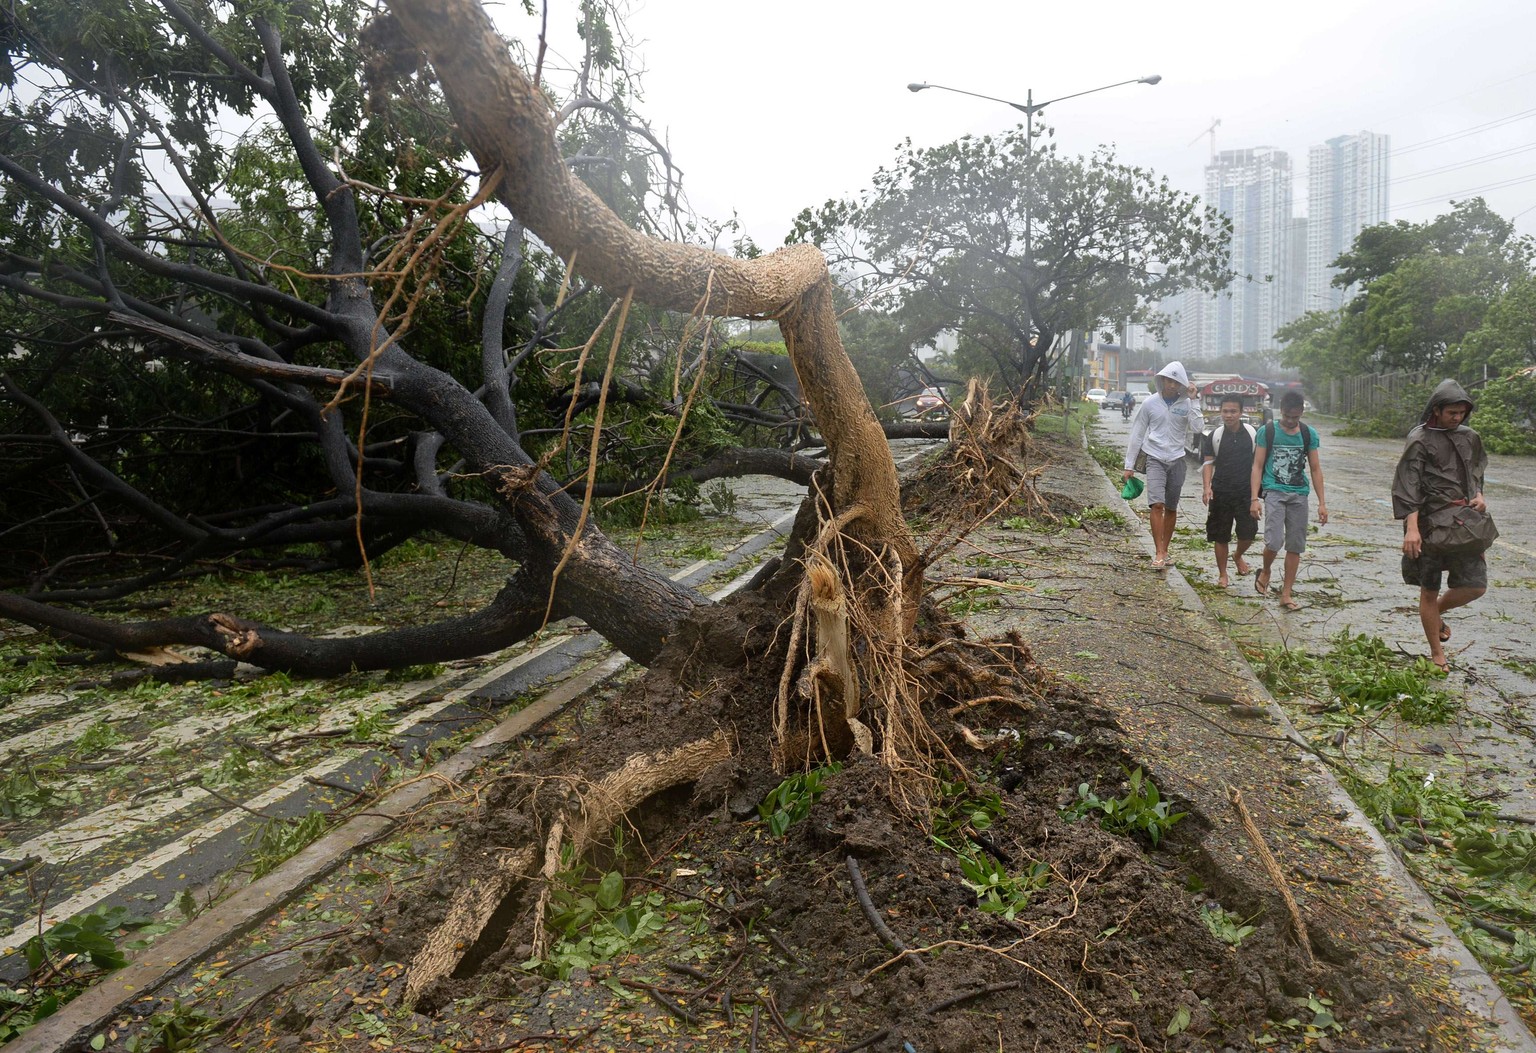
(1243, 568)
(1222, 582)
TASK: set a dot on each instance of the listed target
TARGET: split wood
(1272, 868)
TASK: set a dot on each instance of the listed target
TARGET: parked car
(1112, 400)
(1096, 395)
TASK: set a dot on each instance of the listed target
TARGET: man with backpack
(1226, 456)
(1283, 455)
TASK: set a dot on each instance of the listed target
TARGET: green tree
(1424, 290)
(1014, 247)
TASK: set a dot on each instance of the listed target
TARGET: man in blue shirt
(1283, 453)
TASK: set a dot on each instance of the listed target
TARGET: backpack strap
(1269, 441)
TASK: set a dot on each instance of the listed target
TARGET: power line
(1496, 155)
(1449, 137)
(1470, 190)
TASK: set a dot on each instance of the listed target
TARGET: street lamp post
(1029, 107)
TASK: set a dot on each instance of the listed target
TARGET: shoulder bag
(1458, 529)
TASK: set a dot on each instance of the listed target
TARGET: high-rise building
(1346, 192)
(1252, 188)
(1296, 283)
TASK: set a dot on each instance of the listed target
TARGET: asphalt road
(1350, 579)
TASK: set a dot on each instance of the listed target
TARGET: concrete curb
(1477, 989)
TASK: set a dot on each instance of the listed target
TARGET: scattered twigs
(865, 1043)
(17, 866)
(861, 893)
(1272, 868)
(666, 1003)
(253, 959)
(1325, 879)
(1498, 932)
(332, 784)
(1340, 845)
(949, 1003)
(106, 765)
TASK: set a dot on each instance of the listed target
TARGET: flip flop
(1445, 632)
(1159, 564)
(1261, 583)
(1442, 667)
(1290, 605)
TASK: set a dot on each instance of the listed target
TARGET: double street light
(1030, 107)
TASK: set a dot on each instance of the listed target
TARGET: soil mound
(1044, 899)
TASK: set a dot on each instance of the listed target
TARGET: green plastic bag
(1132, 488)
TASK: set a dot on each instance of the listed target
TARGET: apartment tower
(1346, 192)
(1252, 188)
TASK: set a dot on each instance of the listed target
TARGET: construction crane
(1211, 131)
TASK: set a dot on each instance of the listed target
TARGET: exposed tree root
(597, 807)
(468, 912)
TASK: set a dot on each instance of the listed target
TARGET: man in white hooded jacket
(1163, 427)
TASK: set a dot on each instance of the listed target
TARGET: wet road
(1350, 579)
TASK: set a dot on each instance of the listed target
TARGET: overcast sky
(775, 106)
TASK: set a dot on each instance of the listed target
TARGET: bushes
(1506, 415)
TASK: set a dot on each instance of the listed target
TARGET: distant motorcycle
(1125, 410)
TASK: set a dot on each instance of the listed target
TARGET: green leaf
(1179, 1022)
(610, 891)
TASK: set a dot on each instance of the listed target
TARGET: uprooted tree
(226, 343)
(331, 344)
(114, 270)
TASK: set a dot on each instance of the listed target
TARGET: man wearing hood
(1163, 428)
(1442, 464)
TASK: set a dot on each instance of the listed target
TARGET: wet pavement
(1350, 580)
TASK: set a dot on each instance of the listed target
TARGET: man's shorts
(1285, 521)
(1463, 572)
(1227, 511)
(1165, 479)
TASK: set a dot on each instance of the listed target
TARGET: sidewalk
(1142, 645)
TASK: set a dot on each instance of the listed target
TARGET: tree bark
(508, 127)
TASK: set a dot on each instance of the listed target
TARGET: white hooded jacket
(1165, 430)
